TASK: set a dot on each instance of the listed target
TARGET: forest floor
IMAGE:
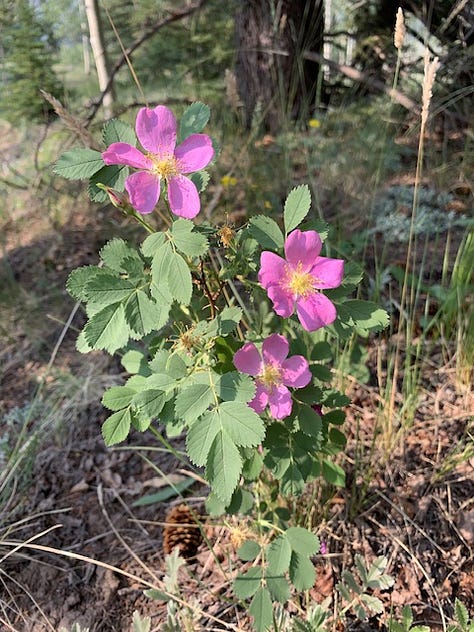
(413, 504)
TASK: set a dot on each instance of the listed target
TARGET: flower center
(299, 283)
(164, 166)
(270, 376)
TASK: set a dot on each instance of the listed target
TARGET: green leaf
(152, 243)
(278, 587)
(335, 417)
(224, 465)
(140, 624)
(176, 366)
(235, 386)
(147, 406)
(267, 232)
(143, 314)
(461, 614)
(228, 320)
(114, 252)
(248, 583)
(292, 481)
(113, 176)
(302, 541)
(200, 179)
(193, 120)
(107, 329)
(302, 573)
(106, 289)
(310, 422)
(373, 603)
(261, 610)
(118, 397)
(279, 555)
(297, 206)
(242, 502)
(187, 241)
(364, 315)
(79, 164)
(201, 436)
(241, 423)
(164, 494)
(180, 282)
(115, 131)
(333, 473)
(116, 427)
(249, 550)
(134, 361)
(193, 401)
(76, 283)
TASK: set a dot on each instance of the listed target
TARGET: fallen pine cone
(182, 531)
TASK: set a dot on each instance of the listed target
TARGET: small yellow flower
(228, 181)
(314, 123)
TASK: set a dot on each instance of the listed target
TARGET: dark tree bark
(274, 79)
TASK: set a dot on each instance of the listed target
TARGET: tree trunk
(273, 78)
(100, 55)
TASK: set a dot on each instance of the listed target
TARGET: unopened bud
(118, 199)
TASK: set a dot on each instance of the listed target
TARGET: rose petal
(275, 349)
(328, 272)
(194, 153)
(248, 359)
(183, 197)
(283, 302)
(260, 401)
(280, 402)
(315, 312)
(302, 248)
(143, 189)
(156, 130)
(296, 372)
(125, 154)
(272, 269)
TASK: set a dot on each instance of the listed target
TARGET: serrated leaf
(116, 131)
(224, 465)
(114, 252)
(241, 423)
(302, 573)
(112, 176)
(310, 422)
(364, 315)
(297, 206)
(82, 345)
(194, 120)
(278, 587)
(147, 406)
(249, 550)
(140, 624)
(333, 473)
(77, 280)
(192, 401)
(235, 386)
(261, 610)
(228, 320)
(241, 503)
(180, 282)
(292, 481)
(106, 289)
(152, 243)
(200, 179)
(134, 361)
(461, 614)
(279, 555)
(201, 436)
(302, 541)
(176, 366)
(267, 232)
(79, 164)
(116, 427)
(143, 314)
(187, 241)
(117, 397)
(373, 603)
(107, 329)
(247, 584)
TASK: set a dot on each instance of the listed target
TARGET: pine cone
(181, 531)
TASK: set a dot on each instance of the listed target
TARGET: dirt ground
(416, 508)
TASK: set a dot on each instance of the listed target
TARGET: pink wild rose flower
(274, 372)
(157, 130)
(297, 281)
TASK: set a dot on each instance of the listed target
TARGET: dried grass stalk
(431, 68)
(400, 29)
(72, 123)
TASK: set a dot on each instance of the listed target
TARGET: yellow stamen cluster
(270, 376)
(299, 283)
(164, 166)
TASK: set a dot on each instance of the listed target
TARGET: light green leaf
(113, 176)
(247, 584)
(193, 120)
(364, 315)
(76, 283)
(82, 345)
(241, 423)
(78, 164)
(114, 252)
(147, 406)
(302, 541)
(333, 473)
(116, 427)
(228, 320)
(180, 282)
(297, 206)
(143, 314)
(302, 573)
(187, 241)
(249, 550)
(152, 243)
(118, 397)
(200, 437)
(105, 289)
(373, 603)
(235, 386)
(261, 610)
(267, 232)
(193, 401)
(107, 329)
(140, 624)
(279, 555)
(224, 465)
(170, 491)
(134, 361)
(200, 179)
(278, 587)
(115, 131)
(461, 614)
